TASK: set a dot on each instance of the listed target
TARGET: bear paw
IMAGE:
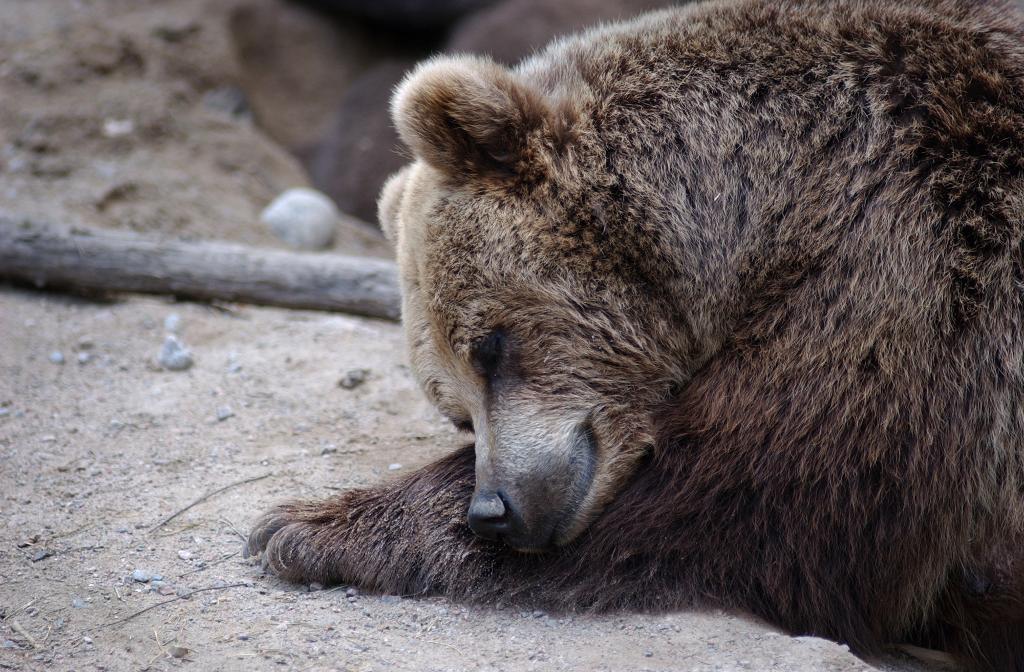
(293, 541)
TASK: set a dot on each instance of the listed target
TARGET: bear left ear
(470, 117)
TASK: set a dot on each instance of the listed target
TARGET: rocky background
(130, 468)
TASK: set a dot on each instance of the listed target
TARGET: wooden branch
(97, 259)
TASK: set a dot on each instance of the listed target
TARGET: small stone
(229, 100)
(78, 603)
(177, 651)
(166, 590)
(329, 449)
(394, 466)
(57, 357)
(41, 554)
(9, 644)
(223, 413)
(539, 614)
(174, 356)
(243, 637)
(157, 577)
(141, 576)
(183, 593)
(315, 586)
(118, 128)
(303, 218)
(648, 654)
(185, 555)
(351, 592)
(84, 357)
(172, 323)
(353, 378)
(87, 640)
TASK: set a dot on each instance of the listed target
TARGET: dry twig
(206, 497)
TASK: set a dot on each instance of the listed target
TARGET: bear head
(534, 297)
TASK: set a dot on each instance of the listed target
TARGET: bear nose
(488, 515)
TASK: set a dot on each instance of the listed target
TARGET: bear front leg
(406, 537)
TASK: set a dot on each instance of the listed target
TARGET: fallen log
(120, 261)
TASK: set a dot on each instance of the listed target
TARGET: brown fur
(773, 251)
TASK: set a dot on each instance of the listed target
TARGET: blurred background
(187, 117)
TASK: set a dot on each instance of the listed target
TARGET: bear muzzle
(532, 512)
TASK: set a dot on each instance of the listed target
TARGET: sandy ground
(122, 114)
(95, 455)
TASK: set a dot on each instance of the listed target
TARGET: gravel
(353, 378)
(141, 576)
(174, 356)
(57, 357)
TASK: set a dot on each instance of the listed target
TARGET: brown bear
(732, 299)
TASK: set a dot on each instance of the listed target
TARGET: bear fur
(775, 250)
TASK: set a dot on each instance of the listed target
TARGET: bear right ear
(470, 117)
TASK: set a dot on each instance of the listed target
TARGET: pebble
(42, 554)
(315, 586)
(117, 128)
(223, 413)
(57, 357)
(185, 555)
(178, 651)
(141, 576)
(78, 603)
(84, 357)
(351, 592)
(303, 218)
(87, 640)
(353, 378)
(229, 100)
(174, 356)
(539, 614)
(394, 466)
(172, 323)
(9, 644)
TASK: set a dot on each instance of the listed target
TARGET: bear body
(732, 298)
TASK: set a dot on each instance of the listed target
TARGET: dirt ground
(126, 114)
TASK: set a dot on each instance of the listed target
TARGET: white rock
(174, 356)
(118, 128)
(303, 218)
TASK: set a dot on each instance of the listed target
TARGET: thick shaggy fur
(780, 243)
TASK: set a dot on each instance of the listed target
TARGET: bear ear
(470, 117)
